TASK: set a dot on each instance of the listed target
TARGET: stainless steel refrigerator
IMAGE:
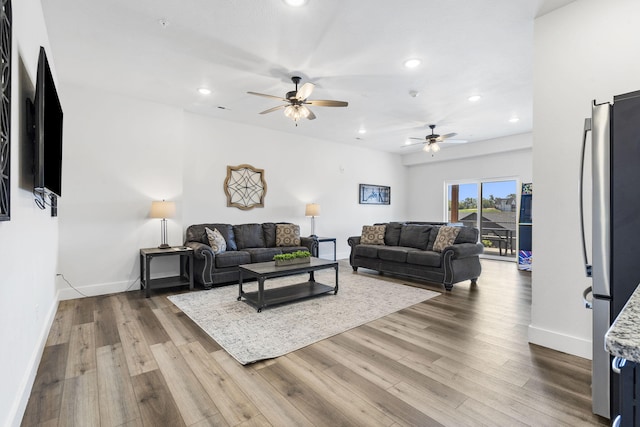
(615, 214)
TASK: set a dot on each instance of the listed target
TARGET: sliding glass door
(495, 215)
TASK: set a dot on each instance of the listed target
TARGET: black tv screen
(48, 130)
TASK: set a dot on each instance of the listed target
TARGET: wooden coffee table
(268, 270)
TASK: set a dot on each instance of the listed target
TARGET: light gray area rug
(250, 336)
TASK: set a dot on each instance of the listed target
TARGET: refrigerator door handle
(587, 129)
(617, 364)
(587, 303)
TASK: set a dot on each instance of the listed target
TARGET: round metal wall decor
(245, 187)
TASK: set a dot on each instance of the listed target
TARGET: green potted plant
(297, 257)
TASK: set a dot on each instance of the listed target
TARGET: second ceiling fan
(297, 101)
(431, 141)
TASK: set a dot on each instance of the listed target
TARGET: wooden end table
(185, 277)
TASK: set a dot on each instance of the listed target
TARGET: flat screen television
(47, 127)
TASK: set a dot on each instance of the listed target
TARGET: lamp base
(164, 246)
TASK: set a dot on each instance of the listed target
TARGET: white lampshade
(163, 209)
(312, 209)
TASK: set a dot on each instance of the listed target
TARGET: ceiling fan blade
(305, 91)
(411, 145)
(448, 135)
(311, 116)
(455, 141)
(327, 103)
(269, 96)
(418, 139)
(271, 110)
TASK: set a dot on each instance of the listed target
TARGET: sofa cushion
(269, 231)
(232, 259)
(287, 235)
(372, 234)
(249, 236)
(262, 254)
(415, 236)
(392, 234)
(427, 258)
(467, 235)
(432, 237)
(367, 251)
(216, 240)
(393, 253)
(197, 233)
(446, 236)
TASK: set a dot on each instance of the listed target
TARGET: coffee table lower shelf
(287, 294)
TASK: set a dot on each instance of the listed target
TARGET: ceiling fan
(296, 102)
(431, 141)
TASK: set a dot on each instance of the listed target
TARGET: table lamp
(163, 210)
(312, 210)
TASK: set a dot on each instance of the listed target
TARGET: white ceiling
(351, 50)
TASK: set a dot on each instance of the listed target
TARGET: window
(495, 216)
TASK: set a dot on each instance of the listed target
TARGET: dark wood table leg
(260, 293)
(335, 292)
(147, 276)
(190, 273)
(240, 286)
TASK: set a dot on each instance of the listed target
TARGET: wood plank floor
(459, 359)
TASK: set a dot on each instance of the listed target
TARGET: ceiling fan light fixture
(426, 148)
(412, 63)
(435, 147)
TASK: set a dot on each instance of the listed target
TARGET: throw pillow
(373, 234)
(216, 241)
(446, 236)
(287, 235)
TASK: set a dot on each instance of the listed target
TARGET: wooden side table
(185, 278)
(328, 239)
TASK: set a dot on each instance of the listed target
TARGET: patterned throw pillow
(216, 240)
(373, 234)
(287, 235)
(446, 237)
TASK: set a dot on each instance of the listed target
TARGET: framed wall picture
(245, 187)
(374, 195)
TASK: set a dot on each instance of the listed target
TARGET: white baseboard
(23, 393)
(560, 342)
(67, 292)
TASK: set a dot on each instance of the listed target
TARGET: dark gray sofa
(246, 244)
(408, 250)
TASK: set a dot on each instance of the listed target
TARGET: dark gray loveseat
(408, 250)
(246, 244)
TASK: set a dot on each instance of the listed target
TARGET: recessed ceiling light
(362, 131)
(474, 98)
(514, 119)
(407, 142)
(412, 63)
(204, 91)
(296, 3)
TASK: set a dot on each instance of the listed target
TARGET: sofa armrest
(200, 250)
(310, 242)
(353, 241)
(464, 250)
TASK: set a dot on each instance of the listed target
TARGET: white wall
(298, 171)
(28, 253)
(508, 157)
(120, 154)
(584, 51)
